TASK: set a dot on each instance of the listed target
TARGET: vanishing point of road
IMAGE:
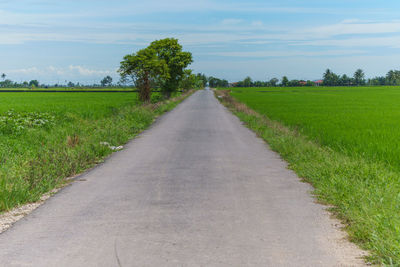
(196, 189)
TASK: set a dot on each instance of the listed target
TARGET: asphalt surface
(197, 189)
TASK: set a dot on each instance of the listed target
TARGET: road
(196, 189)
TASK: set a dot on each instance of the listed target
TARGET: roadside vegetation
(344, 141)
(46, 137)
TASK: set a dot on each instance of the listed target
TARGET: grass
(124, 89)
(358, 121)
(344, 141)
(46, 137)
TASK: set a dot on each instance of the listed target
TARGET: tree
(359, 77)
(145, 68)
(215, 82)
(273, 82)
(393, 77)
(212, 82)
(309, 83)
(247, 82)
(330, 78)
(107, 81)
(34, 83)
(3, 76)
(380, 80)
(294, 83)
(188, 81)
(203, 79)
(170, 52)
(285, 81)
(345, 80)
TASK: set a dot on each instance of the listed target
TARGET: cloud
(89, 72)
(232, 30)
(231, 21)
(25, 71)
(287, 53)
(355, 27)
(68, 72)
(257, 23)
(97, 26)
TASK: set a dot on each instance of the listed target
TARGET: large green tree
(170, 51)
(145, 68)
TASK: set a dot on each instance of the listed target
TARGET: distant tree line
(358, 79)
(7, 83)
(332, 79)
(329, 79)
(189, 81)
(285, 82)
(216, 82)
(391, 78)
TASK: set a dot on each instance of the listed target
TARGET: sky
(84, 40)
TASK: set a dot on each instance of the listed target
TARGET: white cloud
(355, 28)
(70, 71)
(17, 28)
(25, 71)
(231, 21)
(389, 42)
(257, 23)
(287, 53)
(89, 72)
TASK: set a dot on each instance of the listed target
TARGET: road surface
(197, 189)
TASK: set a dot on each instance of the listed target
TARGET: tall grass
(306, 128)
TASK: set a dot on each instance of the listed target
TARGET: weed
(73, 140)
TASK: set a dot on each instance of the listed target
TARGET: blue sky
(82, 41)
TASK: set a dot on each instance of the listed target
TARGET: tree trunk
(145, 88)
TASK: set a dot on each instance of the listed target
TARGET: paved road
(197, 189)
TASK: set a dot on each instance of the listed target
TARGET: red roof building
(318, 82)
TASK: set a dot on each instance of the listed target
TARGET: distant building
(318, 82)
(302, 83)
(233, 84)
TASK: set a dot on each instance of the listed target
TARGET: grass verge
(362, 194)
(36, 160)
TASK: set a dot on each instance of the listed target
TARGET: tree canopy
(359, 77)
(107, 81)
(170, 51)
(145, 68)
(160, 64)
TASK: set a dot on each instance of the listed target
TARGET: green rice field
(359, 121)
(46, 137)
(346, 143)
(71, 89)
